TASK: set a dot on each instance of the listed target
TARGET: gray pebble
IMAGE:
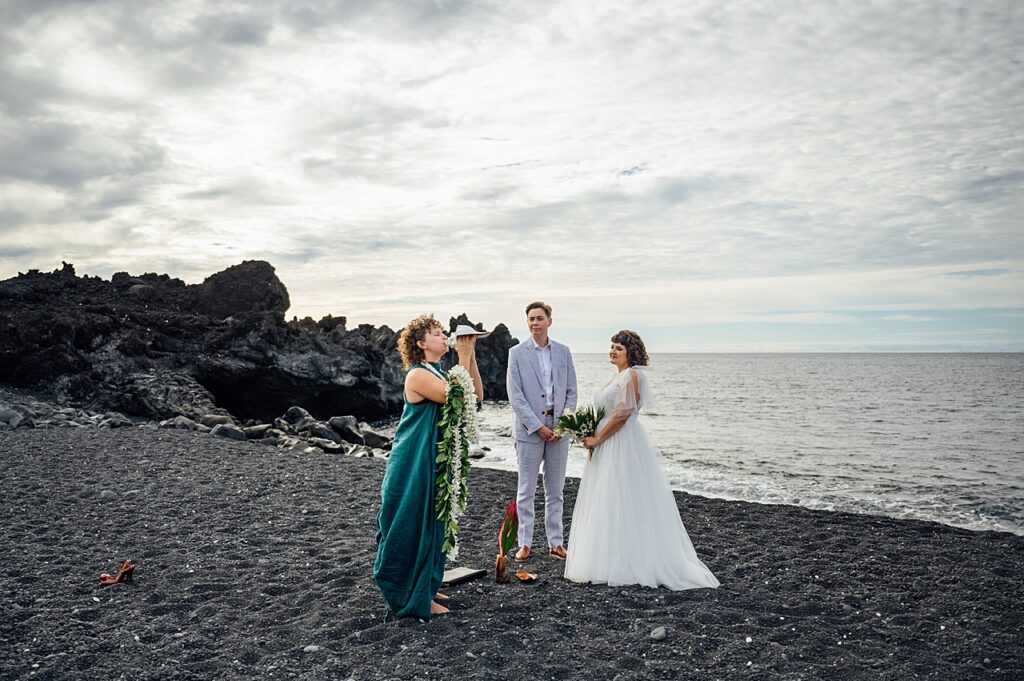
(659, 634)
(108, 494)
(470, 655)
(311, 649)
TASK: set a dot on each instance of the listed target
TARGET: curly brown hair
(636, 352)
(415, 331)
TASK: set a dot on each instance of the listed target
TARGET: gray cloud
(233, 29)
(25, 90)
(979, 273)
(409, 20)
(241, 189)
(489, 193)
(514, 164)
(68, 155)
(11, 218)
(662, 141)
(20, 252)
(14, 13)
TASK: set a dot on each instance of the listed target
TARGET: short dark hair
(535, 304)
(636, 353)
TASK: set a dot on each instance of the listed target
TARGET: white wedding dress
(625, 526)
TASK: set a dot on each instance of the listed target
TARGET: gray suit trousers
(553, 457)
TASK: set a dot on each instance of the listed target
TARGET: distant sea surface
(928, 436)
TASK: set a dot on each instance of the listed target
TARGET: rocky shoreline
(151, 346)
(295, 429)
(255, 562)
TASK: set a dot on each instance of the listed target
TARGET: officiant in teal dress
(410, 560)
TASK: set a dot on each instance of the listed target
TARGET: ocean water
(927, 436)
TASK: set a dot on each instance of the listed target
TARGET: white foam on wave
(728, 485)
(853, 433)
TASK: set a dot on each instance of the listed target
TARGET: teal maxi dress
(410, 563)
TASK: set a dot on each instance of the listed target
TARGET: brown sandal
(124, 574)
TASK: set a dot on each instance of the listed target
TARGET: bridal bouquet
(580, 423)
(458, 430)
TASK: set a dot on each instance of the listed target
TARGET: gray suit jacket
(526, 391)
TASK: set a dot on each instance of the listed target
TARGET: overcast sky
(821, 176)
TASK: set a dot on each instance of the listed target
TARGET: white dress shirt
(546, 377)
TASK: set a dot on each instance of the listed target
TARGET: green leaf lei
(457, 428)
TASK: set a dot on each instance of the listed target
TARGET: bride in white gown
(625, 526)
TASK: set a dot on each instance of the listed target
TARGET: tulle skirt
(626, 527)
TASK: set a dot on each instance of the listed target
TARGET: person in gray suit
(541, 384)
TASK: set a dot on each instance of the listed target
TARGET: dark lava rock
(249, 287)
(373, 439)
(152, 346)
(115, 420)
(328, 445)
(348, 428)
(298, 418)
(180, 422)
(154, 392)
(229, 431)
(324, 432)
(212, 420)
(257, 431)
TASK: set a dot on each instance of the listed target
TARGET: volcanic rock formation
(155, 347)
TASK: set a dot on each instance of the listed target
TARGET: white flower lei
(453, 456)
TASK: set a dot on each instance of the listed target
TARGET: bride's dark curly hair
(414, 331)
(636, 353)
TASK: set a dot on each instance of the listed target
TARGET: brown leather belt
(549, 412)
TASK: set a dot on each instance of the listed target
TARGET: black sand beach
(255, 562)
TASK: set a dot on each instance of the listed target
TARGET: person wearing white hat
(541, 384)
